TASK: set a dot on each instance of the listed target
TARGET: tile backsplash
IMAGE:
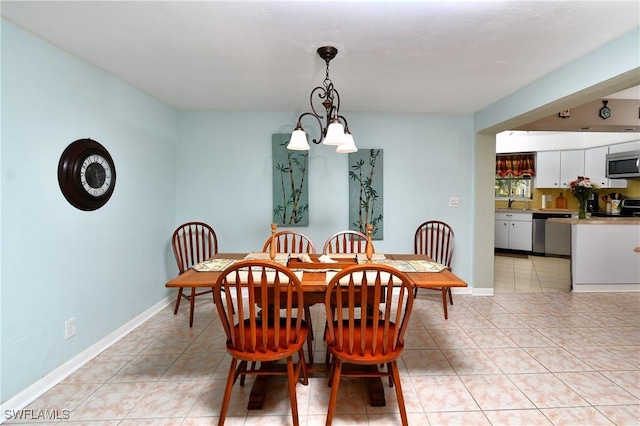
(632, 190)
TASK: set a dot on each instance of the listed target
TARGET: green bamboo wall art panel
(365, 191)
(290, 183)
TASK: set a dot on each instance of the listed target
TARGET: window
(513, 175)
(514, 187)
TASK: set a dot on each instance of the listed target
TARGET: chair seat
(382, 354)
(271, 352)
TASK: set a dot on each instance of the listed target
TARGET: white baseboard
(485, 291)
(41, 386)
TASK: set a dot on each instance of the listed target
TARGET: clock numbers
(95, 175)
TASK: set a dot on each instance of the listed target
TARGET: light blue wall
(102, 267)
(224, 171)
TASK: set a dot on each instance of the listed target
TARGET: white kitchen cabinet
(556, 169)
(547, 169)
(603, 257)
(594, 165)
(571, 166)
(595, 168)
(513, 231)
(624, 147)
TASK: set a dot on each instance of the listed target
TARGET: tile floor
(533, 354)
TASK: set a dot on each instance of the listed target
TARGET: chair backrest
(240, 294)
(435, 239)
(291, 242)
(193, 242)
(346, 242)
(388, 295)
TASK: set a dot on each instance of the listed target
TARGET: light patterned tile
(111, 401)
(631, 354)
(528, 337)
(514, 361)
(496, 392)
(621, 414)
(460, 418)
(194, 366)
(576, 416)
(426, 362)
(557, 359)
(597, 389)
(98, 370)
(599, 358)
(546, 390)
(443, 393)
(452, 339)
(628, 380)
(161, 401)
(517, 417)
(64, 396)
(144, 368)
(470, 361)
(491, 338)
(209, 401)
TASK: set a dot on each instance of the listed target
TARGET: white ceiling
(449, 57)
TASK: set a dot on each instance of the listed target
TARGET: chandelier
(334, 132)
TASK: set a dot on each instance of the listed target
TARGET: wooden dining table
(314, 284)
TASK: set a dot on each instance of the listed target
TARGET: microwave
(623, 165)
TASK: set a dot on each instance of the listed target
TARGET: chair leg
(175, 310)
(192, 299)
(227, 392)
(335, 382)
(390, 375)
(444, 302)
(399, 395)
(307, 317)
(302, 367)
(292, 390)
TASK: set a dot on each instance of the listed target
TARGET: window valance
(515, 165)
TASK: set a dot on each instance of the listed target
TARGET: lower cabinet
(513, 231)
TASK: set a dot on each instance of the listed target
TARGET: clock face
(605, 112)
(86, 174)
(96, 175)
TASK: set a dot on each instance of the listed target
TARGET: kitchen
(523, 211)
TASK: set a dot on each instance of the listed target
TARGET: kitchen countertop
(598, 220)
(504, 210)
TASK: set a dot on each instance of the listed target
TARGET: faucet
(510, 202)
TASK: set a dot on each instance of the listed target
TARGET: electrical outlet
(69, 328)
(454, 202)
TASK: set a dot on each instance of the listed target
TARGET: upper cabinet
(624, 147)
(595, 168)
(556, 169)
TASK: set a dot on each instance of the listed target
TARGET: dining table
(421, 270)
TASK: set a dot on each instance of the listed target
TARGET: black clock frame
(69, 168)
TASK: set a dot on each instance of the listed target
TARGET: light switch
(454, 202)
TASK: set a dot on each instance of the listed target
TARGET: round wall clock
(86, 174)
(605, 111)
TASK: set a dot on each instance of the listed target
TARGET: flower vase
(582, 209)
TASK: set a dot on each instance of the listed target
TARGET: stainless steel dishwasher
(549, 237)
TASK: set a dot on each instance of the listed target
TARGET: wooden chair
(370, 336)
(290, 242)
(345, 242)
(192, 242)
(253, 336)
(436, 239)
(295, 242)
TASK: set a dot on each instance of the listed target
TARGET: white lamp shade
(348, 146)
(335, 134)
(298, 141)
